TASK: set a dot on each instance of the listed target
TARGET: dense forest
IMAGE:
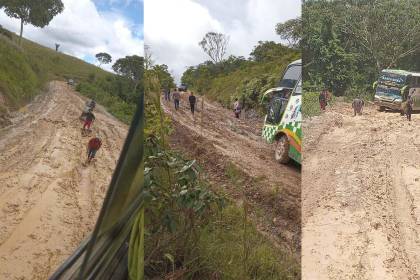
(346, 44)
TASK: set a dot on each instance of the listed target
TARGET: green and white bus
(282, 124)
(394, 86)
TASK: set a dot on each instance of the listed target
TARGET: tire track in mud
(48, 200)
(217, 140)
(354, 202)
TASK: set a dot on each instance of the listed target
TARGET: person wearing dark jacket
(90, 117)
(192, 100)
(410, 103)
(177, 97)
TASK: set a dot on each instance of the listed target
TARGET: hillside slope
(48, 200)
(25, 69)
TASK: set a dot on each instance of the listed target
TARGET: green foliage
(237, 77)
(38, 13)
(113, 92)
(20, 76)
(130, 66)
(6, 33)
(291, 31)
(103, 58)
(331, 60)
(118, 93)
(310, 104)
(346, 44)
(165, 78)
(222, 254)
(268, 51)
(191, 231)
(25, 69)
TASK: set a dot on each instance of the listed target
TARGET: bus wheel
(281, 153)
(381, 108)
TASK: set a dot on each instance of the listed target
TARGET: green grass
(25, 69)
(258, 76)
(310, 104)
(222, 249)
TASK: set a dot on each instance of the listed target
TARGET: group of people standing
(176, 96)
(358, 104)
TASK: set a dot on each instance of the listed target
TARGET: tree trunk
(135, 86)
(21, 31)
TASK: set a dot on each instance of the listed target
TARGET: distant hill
(25, 69)
(240, 78)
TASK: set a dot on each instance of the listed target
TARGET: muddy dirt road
(48, 201)
(361, 196)
(219, 141)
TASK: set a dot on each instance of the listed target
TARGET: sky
(172, 29)
(87, 27)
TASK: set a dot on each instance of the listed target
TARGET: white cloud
(174, 28)
(82, 31)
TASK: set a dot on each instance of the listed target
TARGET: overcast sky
(87, 27)
(173, 29)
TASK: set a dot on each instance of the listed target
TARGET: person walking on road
(357, 106)
(410, 103)
(89, 119)
(93, 146)
(192, 101)
(237, 108)
(167, 95)
(323, 96)
(176, 96)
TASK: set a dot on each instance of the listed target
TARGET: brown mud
(224, 145)
(48, 200)
(361, 195)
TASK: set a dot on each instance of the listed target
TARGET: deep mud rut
(361, 195)
(216, 139)
(48, 201)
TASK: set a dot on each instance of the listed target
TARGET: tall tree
(103, 58)
(131, 67)
(330, 59)
(165, 78)
(38, 13)
(291, 31)
(387, 30)
(215, 45)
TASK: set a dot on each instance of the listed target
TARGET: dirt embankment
(361, 195)
(48, 201)
(224, 145)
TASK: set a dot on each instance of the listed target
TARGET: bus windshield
(392, 79)
(291, 76)
(388, 91)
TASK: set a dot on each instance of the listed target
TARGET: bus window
(291, 76)
(298, 89)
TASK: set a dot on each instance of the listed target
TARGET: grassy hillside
(250, 82)
(25, 69)
(237, 77)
